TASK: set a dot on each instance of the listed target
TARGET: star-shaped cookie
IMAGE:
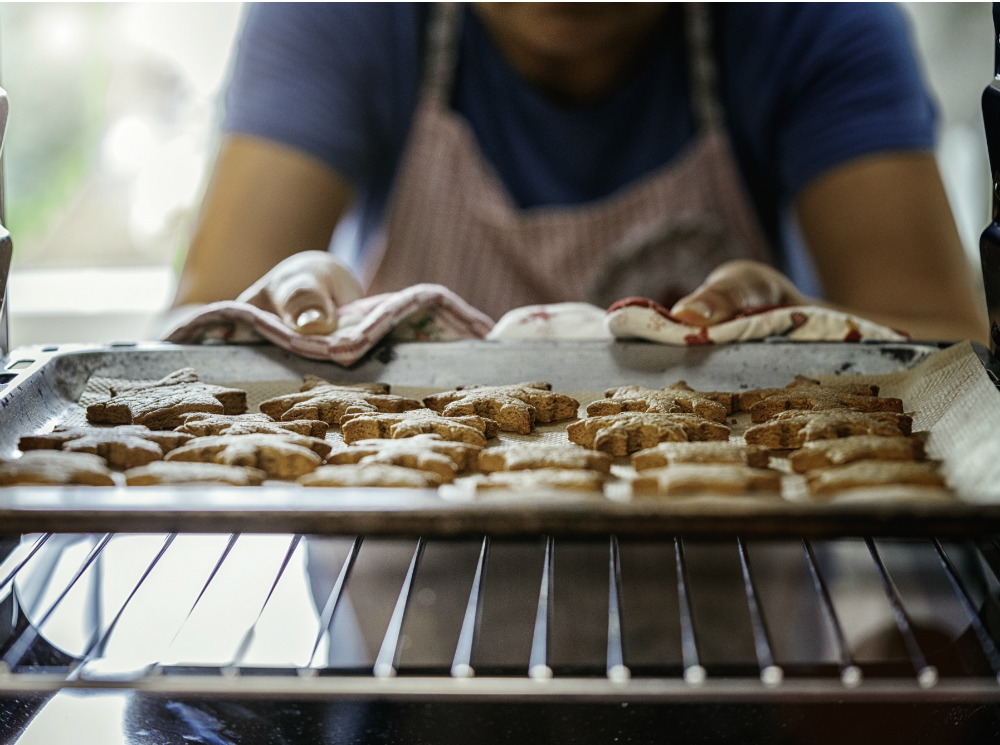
(159, 405)
(50, 467)
(422, 452)
(285, 456)
(184, 472)
(746, 399)
(205, 425)
(621, 434)
(873, 473)
(701, 478)
(809, 395)
(672, 453)
(826, 453)
(678, 398)
(371, 474)
(792, 429)
(471, 429)
(530, 456)
(123, 447)
(515, 408)
(540, 480)
(329, 402)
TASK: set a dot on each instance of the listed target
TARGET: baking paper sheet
(949, 395)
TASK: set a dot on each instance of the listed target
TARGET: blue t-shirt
(804, 87)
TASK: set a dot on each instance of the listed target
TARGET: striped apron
(451, 221)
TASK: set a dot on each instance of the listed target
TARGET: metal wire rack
(670, 619)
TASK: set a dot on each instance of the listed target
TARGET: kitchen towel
(428, 312)
(641, 318)
(424, 312)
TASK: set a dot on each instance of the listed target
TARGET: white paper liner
(949, 395)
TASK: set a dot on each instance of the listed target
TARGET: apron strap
(442, 51)
(704, 70)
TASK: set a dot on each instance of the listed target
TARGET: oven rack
(965, 670)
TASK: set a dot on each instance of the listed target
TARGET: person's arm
(885, 247)
(262, 235)
(885, 244)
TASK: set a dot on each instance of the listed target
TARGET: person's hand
(733, 287)
(304, 291)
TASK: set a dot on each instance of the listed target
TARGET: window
(113, 118)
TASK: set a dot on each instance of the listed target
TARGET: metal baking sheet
(41, 384)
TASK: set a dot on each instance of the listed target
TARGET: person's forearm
(885, 246)
(265, 202)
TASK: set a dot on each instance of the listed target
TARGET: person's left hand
(733, 287)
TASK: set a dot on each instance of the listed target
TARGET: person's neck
(573, 81)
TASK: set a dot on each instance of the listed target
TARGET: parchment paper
(949, 395)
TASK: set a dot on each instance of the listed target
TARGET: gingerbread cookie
(285, 456)
(515, 408)
(745, 400)
(867, 473)
(621, 434)
(50, 467)
(531, 456)
(371, 474)
(473, 430)
(540, 480)
(826, 453)
(160, 405)
(792, 429)
(809, 395)
(701, 478)
(182, 472)
(329, 402)
(121, 447)
(678, 398)
(423, 452)
(206, 425)
(670, 453)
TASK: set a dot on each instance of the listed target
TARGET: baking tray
(42, 384)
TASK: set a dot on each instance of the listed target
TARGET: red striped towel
(423, 312)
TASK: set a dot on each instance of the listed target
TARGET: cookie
(540, 480)
(678, 398)
(826, 453)
(670, 453)
(809, 395)
(181, 472)
(160, 405)
(531, 456)
(423, 452)
(329, 402)
(473, 430)
(371, 474)
(702, 478)
(868, 473)
(50, 467)
(792, 429)
(206, 425)
(285, 456)
(121, 447)
(744, 401)
(621, 434)
(515, 408)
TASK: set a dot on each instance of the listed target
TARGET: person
(713, 158)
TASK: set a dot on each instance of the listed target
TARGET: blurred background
(114, 111)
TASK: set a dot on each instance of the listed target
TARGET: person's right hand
(304, 291)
